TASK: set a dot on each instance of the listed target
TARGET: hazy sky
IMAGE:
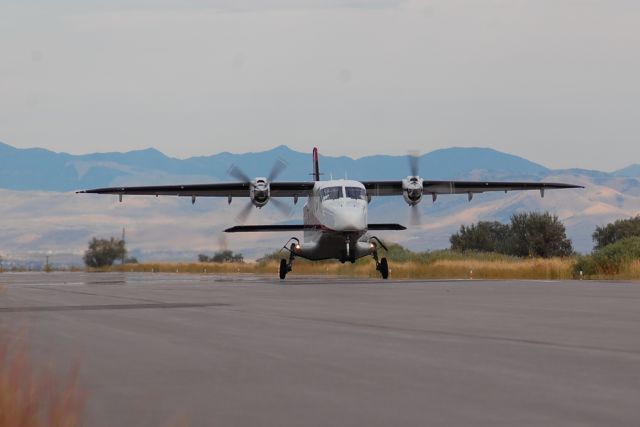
(556, 81)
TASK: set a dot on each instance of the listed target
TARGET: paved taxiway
(247, 351)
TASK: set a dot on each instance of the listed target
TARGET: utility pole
(123, 246)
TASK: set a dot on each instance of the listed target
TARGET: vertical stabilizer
(316, 165)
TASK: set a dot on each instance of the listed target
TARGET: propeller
(237, 173)
(243, 215)
(414, 167)
(414, 159)
(415, 215)
(223, 245)
(283, 207)
(278, 167)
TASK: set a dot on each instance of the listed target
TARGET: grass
(437, 265)
(31, 398)
(442, 264)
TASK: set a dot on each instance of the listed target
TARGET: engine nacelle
(412, 190)
(260, 192)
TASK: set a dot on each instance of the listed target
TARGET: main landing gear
(382, 266)
(285, 266)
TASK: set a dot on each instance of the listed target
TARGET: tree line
(105, 252)
(529, 234)
(222, 256)
(616, 245)
(535, 233)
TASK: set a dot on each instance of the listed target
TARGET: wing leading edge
(228, 189)
(394, 188)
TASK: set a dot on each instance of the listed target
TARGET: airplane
(335, 222)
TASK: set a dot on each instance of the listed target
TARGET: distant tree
(131, 260)
(103, 252)
(483, 237)
(538, 234)
(529, 234)
(222, 256)
(616, 231)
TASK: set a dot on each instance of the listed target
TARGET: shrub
(611, 259)
(616, 231)
(538, 235)
(483, 237)
(222, 256)
(103, 252)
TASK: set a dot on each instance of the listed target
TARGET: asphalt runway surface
(248, 351)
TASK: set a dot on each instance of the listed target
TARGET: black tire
(284, 269)
(384, 268)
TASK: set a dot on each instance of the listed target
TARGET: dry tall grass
(30, 398)
(511, 268)
(632, 271)
(629, 271)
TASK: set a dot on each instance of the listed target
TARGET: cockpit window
(331, 193)
(355, 193)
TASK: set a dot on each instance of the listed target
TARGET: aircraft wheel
(384, 268)
(284, 268)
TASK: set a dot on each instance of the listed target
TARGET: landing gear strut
(382, 266)
(285, 266)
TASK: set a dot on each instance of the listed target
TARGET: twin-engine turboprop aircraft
(335, 222)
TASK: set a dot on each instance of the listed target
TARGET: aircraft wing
(230, 189)
(394, 188)
(304, 188)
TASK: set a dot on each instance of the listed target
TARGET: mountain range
(41, 214)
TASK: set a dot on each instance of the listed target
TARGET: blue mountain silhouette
(41, 169)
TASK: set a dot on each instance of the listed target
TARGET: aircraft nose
(350, 219)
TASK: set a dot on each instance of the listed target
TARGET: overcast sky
(555, 81)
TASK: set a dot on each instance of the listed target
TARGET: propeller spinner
(412, 188)
(260, 189)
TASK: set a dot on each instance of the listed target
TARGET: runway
(248, 351)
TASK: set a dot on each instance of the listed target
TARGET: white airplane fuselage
(335, 218)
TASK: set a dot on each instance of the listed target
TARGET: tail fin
(316, 165)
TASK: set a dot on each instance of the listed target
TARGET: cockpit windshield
(355, 193)
(331, 193)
